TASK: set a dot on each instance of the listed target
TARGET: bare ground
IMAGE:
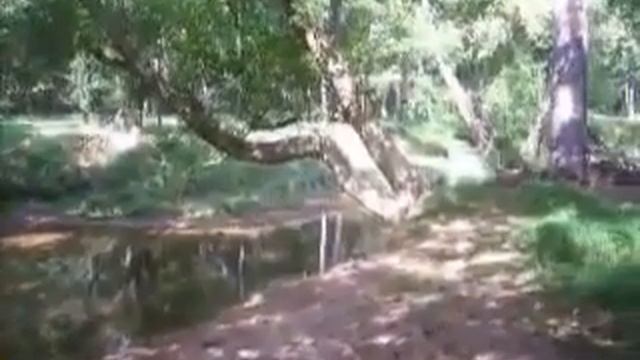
(455, 288)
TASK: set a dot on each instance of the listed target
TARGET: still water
(96, 289)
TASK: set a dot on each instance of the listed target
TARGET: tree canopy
(231, 68)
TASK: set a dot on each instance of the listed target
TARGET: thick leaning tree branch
(338, 145)
(480, 129)
(288, 145)
(401, 175)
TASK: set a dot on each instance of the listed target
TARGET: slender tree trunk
(324, 101)
(337, 239)
(158, 111)
(404, 88)
(531, 150)
(480, 129)
(568, 144)
(322, 244)
(631, 97)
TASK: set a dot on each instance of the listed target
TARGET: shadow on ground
(72, 288)
(456, 289)
(451, 285)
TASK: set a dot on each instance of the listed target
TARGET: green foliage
(32, 57)
(627, 10)
(88, 84)
(247, 60)
(592, 258)
(613, 53)
(245, 51)
(619, 133)
(582, 246)
(173, 172)
(604, 90)
(430, 108)
(34, 166)
(512, 101)
(178, 172)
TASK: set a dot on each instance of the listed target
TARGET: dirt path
(455, 289)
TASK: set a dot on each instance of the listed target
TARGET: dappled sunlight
(411, 302)
(497, 258)
(454, 288)
(31, 241)
(319, 180)
(200, 270)
(419, 267)
(97, 146)
(125, 140)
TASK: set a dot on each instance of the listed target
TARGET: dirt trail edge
(31, 219)
(456, 288)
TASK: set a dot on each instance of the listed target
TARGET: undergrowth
(33, 166)
(173, 171)
(582, 246)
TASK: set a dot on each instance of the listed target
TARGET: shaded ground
(47, 307)
(37, 218)
(450, 287)
(455, 288)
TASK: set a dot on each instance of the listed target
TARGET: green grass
(33, 165)
(581, 245)
(584, 247)
(618, 132)
(173, 172)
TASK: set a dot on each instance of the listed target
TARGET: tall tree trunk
(568, 143)
(631, 97)
(531, 150)
(404, 88)
(324, 101)
(480, 129)
(403, 178)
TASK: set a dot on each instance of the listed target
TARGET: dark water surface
(96, 289)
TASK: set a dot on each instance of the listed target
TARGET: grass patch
(617, 132)
(173, 171)
(586, 248)
(34, 166)
(178, 172)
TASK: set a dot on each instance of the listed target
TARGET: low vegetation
(248, 105)
(171, 171)
(584, 247)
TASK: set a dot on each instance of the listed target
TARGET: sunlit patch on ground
(413, 303)
(33, 240)
(452, 287)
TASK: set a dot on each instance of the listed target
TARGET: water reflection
(104, 287)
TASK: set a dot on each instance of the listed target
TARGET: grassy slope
(580, 242)
(583, 247)
(618, 132)
(173, 171)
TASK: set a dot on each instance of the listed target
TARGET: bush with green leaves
(592, 257)
(175, 169)
(513, 98)
(34, 166)
(582, 246)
